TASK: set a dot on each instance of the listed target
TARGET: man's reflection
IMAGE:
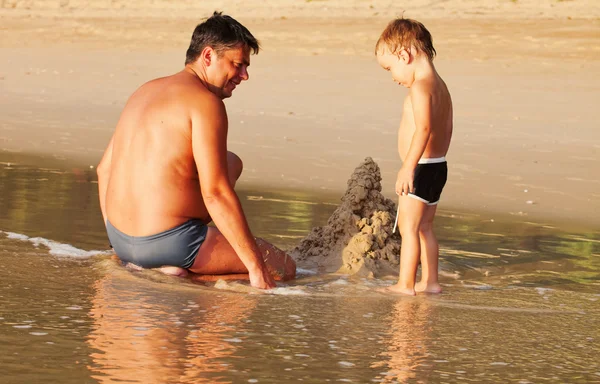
(150, 333)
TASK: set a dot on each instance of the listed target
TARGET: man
(167, 172)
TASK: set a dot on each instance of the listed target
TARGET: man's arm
(421, 106)
(103, 171)
(209, 144)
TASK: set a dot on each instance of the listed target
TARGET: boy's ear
(404, 56)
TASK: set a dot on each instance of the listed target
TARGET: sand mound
(358, 236)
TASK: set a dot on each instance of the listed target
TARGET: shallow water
(521, 303)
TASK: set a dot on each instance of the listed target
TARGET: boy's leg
(429, 254)
(409, 220)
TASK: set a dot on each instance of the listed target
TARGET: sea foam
(55, 248)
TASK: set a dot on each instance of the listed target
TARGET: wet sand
(524, 79)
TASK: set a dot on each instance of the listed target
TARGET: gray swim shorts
(175, 247)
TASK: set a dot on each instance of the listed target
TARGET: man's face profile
(228, 69)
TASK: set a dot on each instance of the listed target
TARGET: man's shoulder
(205, 103)
(205, 108)
(194, 91)
(185, 91)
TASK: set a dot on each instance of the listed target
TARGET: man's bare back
(167, 173)
(154, 181)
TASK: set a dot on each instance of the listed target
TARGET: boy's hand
(404, 182)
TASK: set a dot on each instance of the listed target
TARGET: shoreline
(327, 197)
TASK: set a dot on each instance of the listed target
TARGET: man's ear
(207, 55)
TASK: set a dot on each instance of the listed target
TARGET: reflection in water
(284, 217)
(54, 204)
(63, 206)
(410, 328)
(520, 304)
(152, 336)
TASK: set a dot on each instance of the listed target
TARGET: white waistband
(432, 160)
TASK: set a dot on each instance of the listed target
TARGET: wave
(56, 248)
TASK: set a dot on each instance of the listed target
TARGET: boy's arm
(421, 105)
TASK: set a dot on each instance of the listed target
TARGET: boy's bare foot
(174, 271)
(397, 289)
(425, 287)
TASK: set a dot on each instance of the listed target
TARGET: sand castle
(358, 237)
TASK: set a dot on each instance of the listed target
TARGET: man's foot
(425, 287)
(133, 267)
(209, 278)
(174, 271)
(397, 289)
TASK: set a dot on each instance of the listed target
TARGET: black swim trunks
(174, 247)
(429, 181)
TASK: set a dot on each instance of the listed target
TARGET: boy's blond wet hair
(405, 33)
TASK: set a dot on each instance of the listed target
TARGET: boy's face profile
(396, 64)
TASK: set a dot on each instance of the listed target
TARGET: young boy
(405, 49)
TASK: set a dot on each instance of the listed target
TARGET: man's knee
(235, 164)
(281, 265)
(289, 268)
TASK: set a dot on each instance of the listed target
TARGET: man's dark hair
(220, 32)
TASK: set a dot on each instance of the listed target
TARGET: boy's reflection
(143, 334)
(407, 344)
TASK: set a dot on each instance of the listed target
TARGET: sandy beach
(524, 78)
(517, 226)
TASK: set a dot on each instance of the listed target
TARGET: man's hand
(261, 278)
(404, 182)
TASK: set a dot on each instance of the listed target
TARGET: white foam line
(302, 271)
(16, 236)
(55, 248)
(287, 291)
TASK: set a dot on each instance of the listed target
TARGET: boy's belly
(436, 147)
(405, 135)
